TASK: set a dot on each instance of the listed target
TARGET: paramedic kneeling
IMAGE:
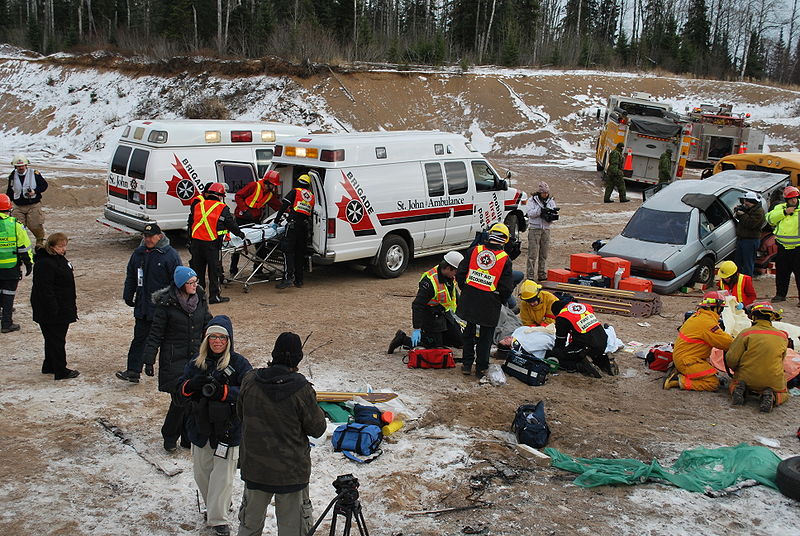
(756, 359)
(691, 368)
(536, 305)
(299, 204)
(432, 310)
(587, 339)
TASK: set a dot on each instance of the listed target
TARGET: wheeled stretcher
(261, 259)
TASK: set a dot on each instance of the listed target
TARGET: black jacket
(157, 265)
(479, 306)
(41, 186)
(176, 333)
(431, 318)
(750, 222)
(53, 292)
(278, 409)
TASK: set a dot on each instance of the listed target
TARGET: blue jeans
(141, 329)
(517, 276)
(477, 348)
(745, 256)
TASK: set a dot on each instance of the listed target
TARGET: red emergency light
(151, 200)
(241, 136)
(332, 155)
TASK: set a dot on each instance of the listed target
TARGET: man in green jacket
(278, 409)
(665, 167)
(614, 175)
(784, 219)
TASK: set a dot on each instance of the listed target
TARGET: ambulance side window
(485, 179)
(236, 177)
(119, 164)
(456, 177)
(138, 164)
(263, 159)
(433, 173)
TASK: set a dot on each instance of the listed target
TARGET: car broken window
(658, 226)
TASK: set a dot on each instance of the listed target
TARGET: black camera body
(211, 388)
(346, 487)
(550, 214)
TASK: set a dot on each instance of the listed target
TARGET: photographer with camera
(210, 384)
(542, 212)
(750, 220)
(278, 409)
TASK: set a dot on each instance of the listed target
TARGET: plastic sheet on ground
(614, 343)
(698, 470)
(791, 362)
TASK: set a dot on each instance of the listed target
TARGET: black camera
(740, 208)
(213, 386)
(550, 214)
(346, 487)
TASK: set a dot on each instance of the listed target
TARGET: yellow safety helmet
(304, 179)
(500, 229)
(727, 269)
(529, 289)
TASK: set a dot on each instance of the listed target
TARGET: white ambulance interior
(289, 175)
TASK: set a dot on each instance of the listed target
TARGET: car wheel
(393, 257)
(513, 227)
(788, 477)
(704, 274)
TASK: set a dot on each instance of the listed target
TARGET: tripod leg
(360, 523)
(348, 522)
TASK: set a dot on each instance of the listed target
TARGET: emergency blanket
(254, 234)
(698, 470)
(791, 363)
(537, 340)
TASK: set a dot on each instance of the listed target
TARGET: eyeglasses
(192, 282)
(218, 337)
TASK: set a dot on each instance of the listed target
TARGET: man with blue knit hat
(150, 268)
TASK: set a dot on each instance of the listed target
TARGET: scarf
(188, 302)
(22, 186)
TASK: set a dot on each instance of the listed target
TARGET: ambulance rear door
(235, 176)
(489, 199)
(319, 229)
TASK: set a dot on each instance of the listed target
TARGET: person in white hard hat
(432, 310)
(750, 220)
(25, 187)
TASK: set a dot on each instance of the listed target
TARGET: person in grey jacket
(278, 409)
(541, 207)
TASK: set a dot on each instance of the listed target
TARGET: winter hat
(183, 274)
(544, 188)
(288, 350)
(216, 329)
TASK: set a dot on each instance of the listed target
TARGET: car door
(319, 230)
(487, 201)
(459, 217)
(435, 223)
(717, 231)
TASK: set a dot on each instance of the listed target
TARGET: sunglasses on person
(218, 337)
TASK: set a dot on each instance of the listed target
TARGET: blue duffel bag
(356, 438)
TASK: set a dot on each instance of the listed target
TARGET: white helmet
(20, 160)
(751, 196)
(453, 258)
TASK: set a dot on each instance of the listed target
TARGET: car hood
(650, 255)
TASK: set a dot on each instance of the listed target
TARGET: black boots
(737, 397)
(398, 341)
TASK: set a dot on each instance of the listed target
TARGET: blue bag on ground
(357, 438)
(530, 425)
(367, 415)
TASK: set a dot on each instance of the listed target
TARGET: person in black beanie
(278, 410)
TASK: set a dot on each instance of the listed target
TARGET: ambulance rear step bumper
(117, 226)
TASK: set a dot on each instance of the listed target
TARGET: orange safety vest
(738, 291)
(580, 315)
(442, 295)
(303, 201)
(485, 268)
(256, 200)
(205, 217)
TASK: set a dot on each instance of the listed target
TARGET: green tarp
(697, 470)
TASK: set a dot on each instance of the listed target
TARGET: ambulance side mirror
(503, 184)
(508, 174)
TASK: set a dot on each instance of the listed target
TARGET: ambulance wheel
(393, 257)
(513, 226)
(788, 477)
(704, 274)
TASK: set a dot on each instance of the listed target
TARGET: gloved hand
(26, 260)
(416, 337)
(130, 302)
(740, 306)
(219, 390)
(195, 385)
(273, 226)
(148, 369)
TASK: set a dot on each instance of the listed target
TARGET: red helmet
(790, 191)
(712, 299)
(5, 203)
(216, 188)
(273, 177)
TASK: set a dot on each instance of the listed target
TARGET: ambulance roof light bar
(267, 136)
(158, 136)
(241, 136)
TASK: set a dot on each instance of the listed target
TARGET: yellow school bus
(787, 163)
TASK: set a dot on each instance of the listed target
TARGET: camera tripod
(345, 504)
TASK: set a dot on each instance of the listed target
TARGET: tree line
(709, 38)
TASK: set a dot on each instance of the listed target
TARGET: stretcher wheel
(246, 288)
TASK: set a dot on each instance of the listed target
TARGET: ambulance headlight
(157, 136)
(213, 136)
(267, 136)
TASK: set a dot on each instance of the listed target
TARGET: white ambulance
(159, 166)
(383, 197)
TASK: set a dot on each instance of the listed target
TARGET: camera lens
(209, 389)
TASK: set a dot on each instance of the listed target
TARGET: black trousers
(205, 255)
(477, 348)
(294, 246)
(8, 291)
(174, 426)
(141, 329)
(55, 351)
(787, 262)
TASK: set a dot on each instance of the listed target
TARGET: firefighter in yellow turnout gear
(535, 306)
(692, 369)
(432, 309)
(756, 359)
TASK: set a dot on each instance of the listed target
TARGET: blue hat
(182, 275)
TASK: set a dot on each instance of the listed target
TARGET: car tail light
(659, 274)
(331, 227)
(329, 155)
(241, 136)
(151, 200)
(278, 150)
(679, 174)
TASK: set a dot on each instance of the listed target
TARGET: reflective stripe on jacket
(485, 268)
(303, 201)
(205, 217)
(581, 316)
(442, 295)
(14, 241)
(787, 232)
(259, 197)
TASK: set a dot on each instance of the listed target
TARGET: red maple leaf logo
(181, 186)
(352, 210)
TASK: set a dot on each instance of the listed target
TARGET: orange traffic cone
(743, 147)
(627, 168)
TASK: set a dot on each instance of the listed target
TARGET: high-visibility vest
(205, 217)
(256, 199)
(303, 201)
(442, 295)
(580, 315)
(787, 228)
(485, 268)
(738, 290)
(8, 242)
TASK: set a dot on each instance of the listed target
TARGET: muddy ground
(65, 474)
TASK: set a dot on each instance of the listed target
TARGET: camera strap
(351, 456)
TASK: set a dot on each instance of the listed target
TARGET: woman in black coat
(178, 323)
(54, 303)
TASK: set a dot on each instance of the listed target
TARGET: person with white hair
(542, 212)
(25, 188)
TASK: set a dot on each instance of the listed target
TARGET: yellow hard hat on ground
(727, 269)
(529, 289)
(499, 229)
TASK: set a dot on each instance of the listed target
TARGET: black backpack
(530, 426)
